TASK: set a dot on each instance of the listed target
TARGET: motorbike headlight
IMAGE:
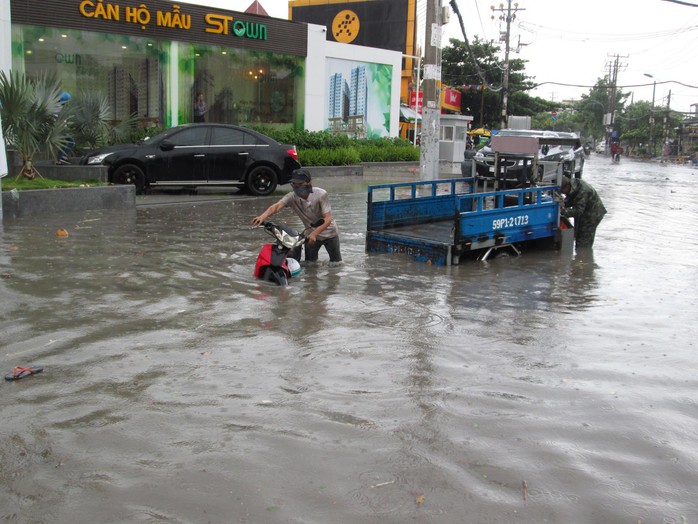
(97, 159)
(286, 239)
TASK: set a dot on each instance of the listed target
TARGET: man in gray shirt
(310, 204)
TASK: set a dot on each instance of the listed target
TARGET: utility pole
(508, 16)
(665, 139)
(431, 109)
(654, 89)
(612, 90)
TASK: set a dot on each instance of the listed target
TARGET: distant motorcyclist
(616, 151)
(584, 204)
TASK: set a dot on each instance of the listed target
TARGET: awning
(480, 132)
(409, 115)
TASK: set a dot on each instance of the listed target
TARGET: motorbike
(273, 263)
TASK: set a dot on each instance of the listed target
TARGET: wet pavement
(176, 388)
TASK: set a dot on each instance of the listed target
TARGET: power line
(584, 86)
(479, 72)
(682, 3)
(603, 37)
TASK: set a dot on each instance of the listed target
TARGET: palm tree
(91, 122)
(34, 121)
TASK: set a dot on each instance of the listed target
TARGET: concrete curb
(28, 203)
(72, 172)
(364, 168)
(37, 202)
(321, 171)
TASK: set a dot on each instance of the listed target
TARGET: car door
(181, 158)
(232, 151)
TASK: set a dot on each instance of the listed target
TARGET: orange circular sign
(345, 26)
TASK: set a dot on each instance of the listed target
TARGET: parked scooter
(273, 264)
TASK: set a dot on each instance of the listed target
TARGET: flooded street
(176, 388)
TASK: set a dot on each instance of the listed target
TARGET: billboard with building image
(358, 98)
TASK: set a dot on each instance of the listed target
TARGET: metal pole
(431, 124)
(416, 98)
(654, 88)
(665, 135)
(416, 103)
(505, 81)
(508, 17)
(652, 145)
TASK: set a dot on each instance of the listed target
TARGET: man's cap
(300, 175)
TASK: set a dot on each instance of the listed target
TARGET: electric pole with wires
(431, 109)
(507, 15)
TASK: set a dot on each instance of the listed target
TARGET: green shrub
(342, 156)
(306, 139)
(388, 153)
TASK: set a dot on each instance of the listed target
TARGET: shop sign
(174, 19)
(450, 99)
(416, 103)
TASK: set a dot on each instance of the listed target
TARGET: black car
(194, 155)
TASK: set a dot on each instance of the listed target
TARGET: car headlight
(97, 159)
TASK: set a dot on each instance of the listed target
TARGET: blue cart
(444, 221)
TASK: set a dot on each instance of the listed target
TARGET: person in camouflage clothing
(582, 203)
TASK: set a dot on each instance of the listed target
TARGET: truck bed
(441, 221)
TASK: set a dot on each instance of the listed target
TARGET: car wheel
(130, 174)
(261, 181)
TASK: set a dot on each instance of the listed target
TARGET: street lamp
(654, 88)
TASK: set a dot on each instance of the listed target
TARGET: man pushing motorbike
(311, 204)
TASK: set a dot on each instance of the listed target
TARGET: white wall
(316, 96)
(5, 36)
(5, 63)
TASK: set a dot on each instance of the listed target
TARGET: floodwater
(176, 388)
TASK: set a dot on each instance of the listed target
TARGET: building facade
(153, 60)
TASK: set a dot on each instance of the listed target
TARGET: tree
(641, 135)
(91, 122)
(34, 121)
(592, 108)
(480, 84)
(636, 125)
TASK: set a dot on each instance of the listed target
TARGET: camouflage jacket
(583, 202)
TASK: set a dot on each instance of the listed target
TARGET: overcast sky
(573, 43)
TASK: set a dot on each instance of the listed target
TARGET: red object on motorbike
(264, 259)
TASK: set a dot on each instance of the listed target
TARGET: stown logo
(345, 26)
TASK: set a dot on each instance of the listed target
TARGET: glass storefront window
(130, 72)
(238, 86)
